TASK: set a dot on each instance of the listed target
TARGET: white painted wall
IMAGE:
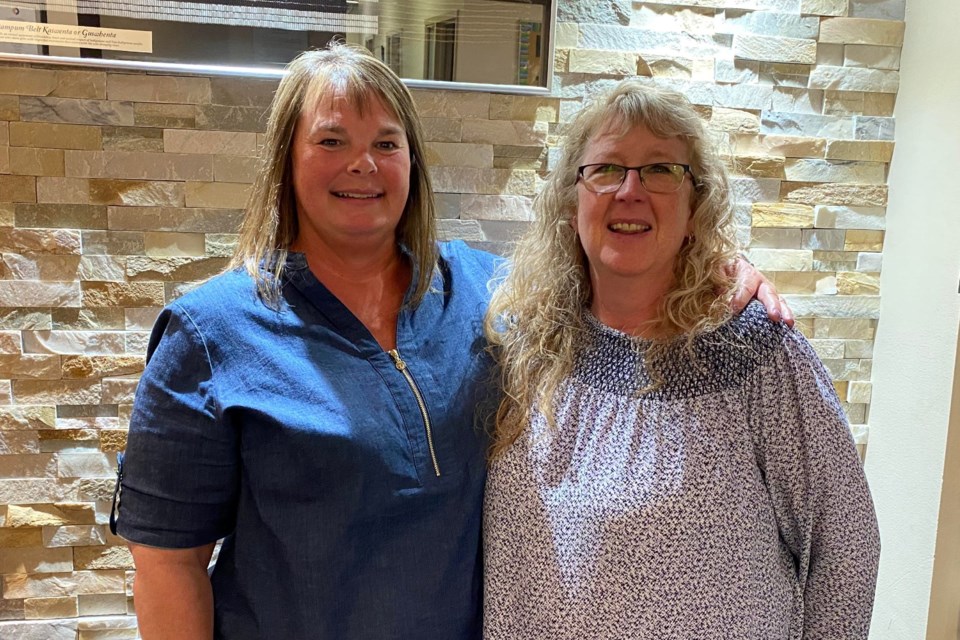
(917, 336)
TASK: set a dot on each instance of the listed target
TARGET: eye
(329, 142)
(608, 168)
(387, 145)
(660, 169)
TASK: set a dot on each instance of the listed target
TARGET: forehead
(637, 140)
(340, 105)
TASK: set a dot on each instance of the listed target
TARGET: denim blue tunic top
(346, 481)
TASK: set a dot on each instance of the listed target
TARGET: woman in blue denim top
(315, 405)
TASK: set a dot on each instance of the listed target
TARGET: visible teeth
(358, 196)
(629, 227)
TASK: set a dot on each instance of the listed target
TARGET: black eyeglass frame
(640, 171)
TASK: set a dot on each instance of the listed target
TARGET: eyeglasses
(662, 177)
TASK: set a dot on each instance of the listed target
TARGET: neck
(371, 284)
(629, 305)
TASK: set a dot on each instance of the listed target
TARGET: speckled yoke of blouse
(729, 503)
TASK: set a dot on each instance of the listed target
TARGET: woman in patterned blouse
(661, 468)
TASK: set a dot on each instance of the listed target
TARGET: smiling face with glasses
(634, 208)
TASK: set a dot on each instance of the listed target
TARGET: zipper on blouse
(402, 368)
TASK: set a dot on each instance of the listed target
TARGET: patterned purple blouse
(727, 503)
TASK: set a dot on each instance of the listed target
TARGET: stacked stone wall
(119, 189)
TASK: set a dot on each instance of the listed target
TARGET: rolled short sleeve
(819, 491)
(179, 479)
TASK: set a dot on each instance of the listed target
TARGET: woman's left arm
(753, 284)
(819, 491)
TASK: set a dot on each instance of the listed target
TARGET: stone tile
(872, 128)
(231, 118)
(11, 538)
(484, 181)
(621, 38)
(73, 342)
(68, 110)
(40, 560)
(85, 412)
(834, 307)
(504, 132)
(109, 294)
(30, 367)
(73, 535)
(174, 219)
(691, 19)
(235, 169)
(18, 188)
(879, 104)
(132, 139)
(118, 391)
(451, 104)
(60, 216)
(156, 88)
(781, 259)
(858, 349)
(16, 293)
(880, 9)
(31, 161)
(138, 166)
(36, 490)
(88, 319)
(160, 244)
(870, 262)
(734, 120)
(861, 150)
(863, 240)
(828, 349)
(851, 217)
(225, 195)
(855, 79)
(165, 116)
(459, 230)
(797, 100)
(62, 584)
(27, 418)
(9, 110)
(113, 440)
(527, 108)
(833, 171)
(566, 35)
(112, 243)
(513, 157)
(757, 167)
(824, 239)
(14, 442)
(496, 207)
(40, 630)
(27, 81)
(785, 24)
(10, 342)
(862, 31)
(450, 154)
(830, 54)
(782, 215)
(114, 557)
(775, 49)
(173, 269)
(244, 92)
(86, 465)
(834, 260)
(736, 71)
(26, 465)
(592, 61)
(777, 145)
(56, 241)
(765, 238)
(843, 103)
(872, 57)
(807, 125)
(102, 605)
(856, 284)
(834, 194)
(442, 129)
(223, 244)
(109, 191)
(751, 190)
(76, 83)
(209, 142)
(824, 7)
(45, 608)
(54, 136)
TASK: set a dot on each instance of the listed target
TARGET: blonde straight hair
(270, 225)
(537, 310)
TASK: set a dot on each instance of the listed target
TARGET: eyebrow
(388, 130)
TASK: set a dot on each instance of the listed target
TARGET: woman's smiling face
(632, 233)
(351, 174)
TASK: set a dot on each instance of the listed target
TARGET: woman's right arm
(174, 599)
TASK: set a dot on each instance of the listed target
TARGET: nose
(362, 163)
(632, 187)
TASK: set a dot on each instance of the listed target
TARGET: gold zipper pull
(397, 360)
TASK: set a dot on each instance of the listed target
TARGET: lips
(354, 195)
(629, 227)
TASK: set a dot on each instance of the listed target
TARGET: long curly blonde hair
(270, 225)
(537, 311)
